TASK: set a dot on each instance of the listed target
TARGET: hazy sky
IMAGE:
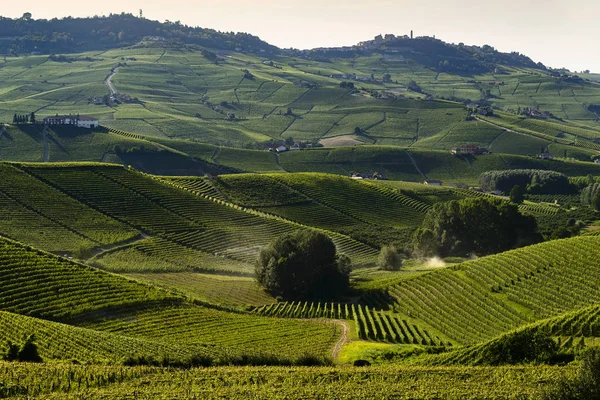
(557, 33)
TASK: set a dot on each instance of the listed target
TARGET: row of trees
(533, 180)
(473, 226)
(24, 119)
(81, 34)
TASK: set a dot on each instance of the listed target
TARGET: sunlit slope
(57, 341)
(42, 285)
(243, 99)
(40, 215)
(481, 299)
(572, 330)
(156, 322)
(172, 215)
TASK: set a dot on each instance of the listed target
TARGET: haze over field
(550, 32)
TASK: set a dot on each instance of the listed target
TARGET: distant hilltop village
(380, 40)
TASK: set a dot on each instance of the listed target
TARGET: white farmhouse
(80, 121)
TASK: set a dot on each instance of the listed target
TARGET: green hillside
(481, 299)
(128, 251)
(401, 96)
(41, 285)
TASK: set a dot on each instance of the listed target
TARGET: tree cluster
(27, 352)
(347, 85)
(24, 119)
(389, 259)
(590, 195)
(473, 226)
(116, 30)
(535, 181)
(303, 265)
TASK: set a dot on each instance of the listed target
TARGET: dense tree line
(24, 119)
(117, 30)
(473, 226)
(535, 181)
(590, 195)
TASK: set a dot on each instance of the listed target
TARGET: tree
(476, 225)
(303, 265)
(389, 259)
(289, 111)
(26, 16)
(596, 202)
(15, 119)
(32, 117)
(517, 194)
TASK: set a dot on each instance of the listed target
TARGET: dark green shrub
(303, 265)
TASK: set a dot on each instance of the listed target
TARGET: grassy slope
(38, 284)
(291, 383)
(187, 96)
(480, 299)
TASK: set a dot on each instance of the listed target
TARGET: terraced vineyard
(42, 285)
(453, 383)
(200, 327)
(481, 299)
(180, 217)
(370, 324)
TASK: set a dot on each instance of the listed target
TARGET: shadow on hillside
(167, 163)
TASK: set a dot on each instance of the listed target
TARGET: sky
(557, 33)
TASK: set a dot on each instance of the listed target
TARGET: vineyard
(195, 221)
(137, 280)
(453, 383)
(200, 328)
(480, 299)
(43, 285)
(370, 324)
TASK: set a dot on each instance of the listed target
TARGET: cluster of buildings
(81, 121)
(109, 100)
(469, 149)
(376, 176)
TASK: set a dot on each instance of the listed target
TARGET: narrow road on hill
(109, 83)
(277, 162)
(105, 156)
(344, 337)
(46, 144)
(215, 155)
(98, 252)
(415, 165)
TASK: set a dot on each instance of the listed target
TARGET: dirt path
(109, 83)
(46, 144)
(105, 156)
(215, 155)
(98, 252)
(343, 338)
(414, 162)
(277, 162)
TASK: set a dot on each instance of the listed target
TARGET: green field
(129, 251)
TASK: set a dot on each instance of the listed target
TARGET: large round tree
(303, 265)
